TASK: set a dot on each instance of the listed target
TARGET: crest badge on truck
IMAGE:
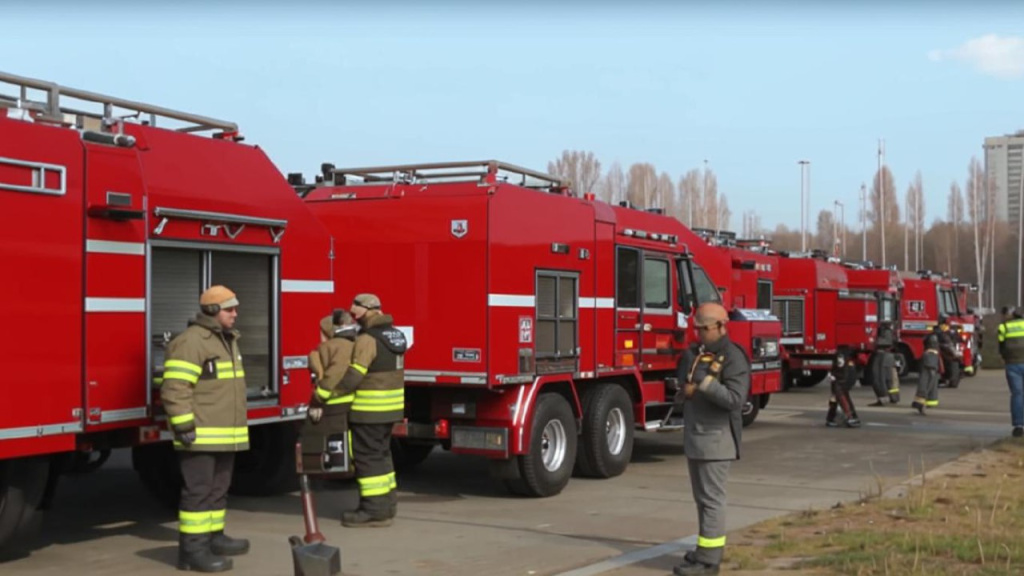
(460, 228)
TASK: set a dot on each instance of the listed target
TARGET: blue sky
(752, 90)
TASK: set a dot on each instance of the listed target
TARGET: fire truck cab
(751, 276)
(886, 286)
(139, 220)
(926, 297)
(545, 325)
(820, 314)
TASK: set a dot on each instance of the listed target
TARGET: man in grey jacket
(715, 376)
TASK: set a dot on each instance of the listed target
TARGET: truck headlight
(771, 348)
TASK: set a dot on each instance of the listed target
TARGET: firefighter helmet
(368, 301)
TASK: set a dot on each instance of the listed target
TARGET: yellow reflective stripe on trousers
(377, 485)
(894, 390)
(710, 542)
(361, 369)
(931, 403)
(217, 520)
(194, 522)
(379, 400)
(182, 419)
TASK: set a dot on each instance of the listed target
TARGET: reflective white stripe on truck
(318, 286)
(115, 304)
(111, 247)
(37, 431)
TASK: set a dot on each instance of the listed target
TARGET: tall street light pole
(906, 232)
(881, 193)
(804, 193)
(840, 224)
(863, 222)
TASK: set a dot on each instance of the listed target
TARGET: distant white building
(1004, 159)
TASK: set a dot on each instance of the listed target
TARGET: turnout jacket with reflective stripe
(377, 373)
(1011, 341)
(203, 387)
(335, 356)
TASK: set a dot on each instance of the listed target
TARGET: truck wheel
(547, 467)
(607, 432)
(406, 455)
(22, 486)
(813, 380)
(268, 467)
(904, 358)
(751, 408)
(158, 469)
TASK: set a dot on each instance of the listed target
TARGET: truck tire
(607, 432)
(158, 469)
(545, 470)
(23, 483)
(751, 408)
(268, 466)
(406, 455)
(904, 361)
(814, 379)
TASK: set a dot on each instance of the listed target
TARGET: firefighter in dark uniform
(843, 376)
(203, 392)
(715, 376)
(331, 403)
(378, 377)
(881, 367)
(950, 371)
(927, 395)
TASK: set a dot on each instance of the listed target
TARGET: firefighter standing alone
(948, 352)
(1011, 348)
(716, 381)
(204, 395)
(378, 377)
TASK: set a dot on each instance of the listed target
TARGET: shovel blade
(316, 559)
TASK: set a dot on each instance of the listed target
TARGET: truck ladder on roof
(487, 172)
(53, 110)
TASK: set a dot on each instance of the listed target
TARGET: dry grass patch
(965, 518)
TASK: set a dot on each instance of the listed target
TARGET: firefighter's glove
(187, 438)
(689, 389)
(315, 414)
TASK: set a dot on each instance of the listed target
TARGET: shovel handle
(313, 534)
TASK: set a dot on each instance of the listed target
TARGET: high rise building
(1004, 160)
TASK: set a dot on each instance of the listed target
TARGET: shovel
(311, 555)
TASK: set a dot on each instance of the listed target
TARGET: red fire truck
(926, 296)
(887, 287)
(820, 314)
(543, 324)
(140, 219)
(751, 279)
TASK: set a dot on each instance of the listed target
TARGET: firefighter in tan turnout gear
(716, 381)
(203, 393)
(378, 378)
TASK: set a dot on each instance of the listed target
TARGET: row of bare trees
(970, 243)
(694, 199)
(964, 243)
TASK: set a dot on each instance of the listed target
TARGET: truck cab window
(764, 295)
(706, 290)
(627, 278)
(657, 288)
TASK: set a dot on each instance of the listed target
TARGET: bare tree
(723, 213)
(891, 208)
(826, 230)
(641, 185)
(666, 193)
(752, 224)
(690, 197)
(955, 215)
(581, 168)
(613, 185)
(915, 218)
(981, 214)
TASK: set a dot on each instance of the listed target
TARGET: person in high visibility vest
(1011, 348)
(203, 392)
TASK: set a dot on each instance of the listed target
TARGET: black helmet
(943, 319)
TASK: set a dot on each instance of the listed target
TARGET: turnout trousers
(204, 494)
(375, 472)
(708, 478)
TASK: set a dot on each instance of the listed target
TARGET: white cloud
(999, 56)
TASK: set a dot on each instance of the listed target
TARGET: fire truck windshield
(706, 291)
(886, 309)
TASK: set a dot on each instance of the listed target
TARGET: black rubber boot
(194, 554)
(363, 519)
(224, 545)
